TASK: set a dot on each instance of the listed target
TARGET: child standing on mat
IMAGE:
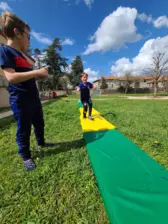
(23, 93)
(84, 89)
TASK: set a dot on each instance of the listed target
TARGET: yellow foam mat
(98, 124)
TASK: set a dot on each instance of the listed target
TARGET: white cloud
(89, 3)
(70, 58)
(93, 75)
(41, 38)
(161, 21)
(69, 69)
(143, 60)
(5, 7)
(68, 41)
(145, 18)
(115, 31)
(39, 57)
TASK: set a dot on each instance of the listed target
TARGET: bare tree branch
(158, 68)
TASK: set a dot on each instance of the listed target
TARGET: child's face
(84, 78)
(24, 40)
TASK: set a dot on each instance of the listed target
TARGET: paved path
(147, 98)
(9, 113)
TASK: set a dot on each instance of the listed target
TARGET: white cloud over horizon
(5, 7)
(105, 39)
(145, 18)
(89, 3)
(161, 21)
(92, 75)
(68, 41)
(41, 38)
(138, 64)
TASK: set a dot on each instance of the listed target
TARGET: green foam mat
(134, 187)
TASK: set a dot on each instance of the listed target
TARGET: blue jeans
(27, 115)
(86, 103)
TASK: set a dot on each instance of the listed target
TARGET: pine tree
(103, 84)
(55, 61)
(77, 69)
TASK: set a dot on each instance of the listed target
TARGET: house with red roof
(138, 82)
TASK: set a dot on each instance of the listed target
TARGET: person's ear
(17, 33)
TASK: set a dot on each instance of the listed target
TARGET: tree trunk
(155, 88)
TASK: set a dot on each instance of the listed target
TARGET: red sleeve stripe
(21, 63)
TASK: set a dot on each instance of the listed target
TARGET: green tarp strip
(134, 187)
(80, 104)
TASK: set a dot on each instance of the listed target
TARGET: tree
(29, 50)
(55, 61)
(103, 84)
(37, 54)
(76, 70)
(128, 81)
(158, 68)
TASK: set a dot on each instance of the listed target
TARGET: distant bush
(121, 89)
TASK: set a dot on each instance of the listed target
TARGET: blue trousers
(86, 103)
(27, 115)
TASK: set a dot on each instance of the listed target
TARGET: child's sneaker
(91, 118)
(29, 165)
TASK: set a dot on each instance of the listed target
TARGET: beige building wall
(114, 84)
(4, 96)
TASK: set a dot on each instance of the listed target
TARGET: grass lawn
(63, 188)
(117, 95)
(104, 96)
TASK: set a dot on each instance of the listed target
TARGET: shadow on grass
(64, 147)
(6, 122)
(60, 147)
(94, 136)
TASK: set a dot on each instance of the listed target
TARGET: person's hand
(42, 73)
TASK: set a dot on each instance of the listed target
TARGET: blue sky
(112, 37)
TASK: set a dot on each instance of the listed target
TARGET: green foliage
(56, 62)
(52, 58)
(103, 84)
(77, 69)
(29, 50)
(37, 54)
(124, 89)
